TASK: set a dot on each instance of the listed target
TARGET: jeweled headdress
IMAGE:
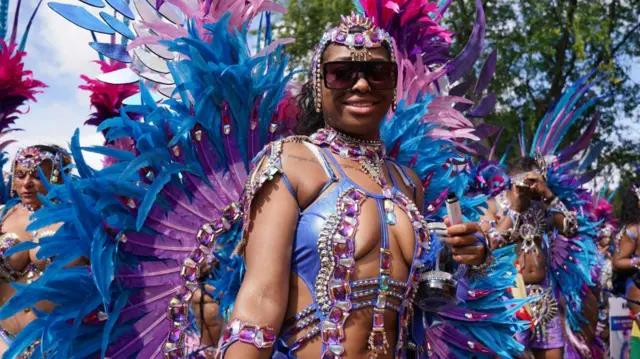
(31, 158)
(359, 34)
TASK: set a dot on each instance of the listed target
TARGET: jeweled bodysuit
(323, 256)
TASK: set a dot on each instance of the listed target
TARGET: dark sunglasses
(343, 75)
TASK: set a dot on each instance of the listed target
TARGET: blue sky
(57, 54)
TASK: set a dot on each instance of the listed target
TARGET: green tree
(306, 21)
(543, 46)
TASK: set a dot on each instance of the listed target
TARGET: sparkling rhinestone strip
(341, 259)
(179, 305)
(423, 246)
(260, 336)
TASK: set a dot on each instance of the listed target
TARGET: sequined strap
(259, 336)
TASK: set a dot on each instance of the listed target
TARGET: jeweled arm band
(570, 222)
(260, 336)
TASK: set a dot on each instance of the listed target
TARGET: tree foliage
(543, 46)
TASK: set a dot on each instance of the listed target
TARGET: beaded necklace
(370, 154)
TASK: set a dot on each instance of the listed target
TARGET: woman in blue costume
(326, 228)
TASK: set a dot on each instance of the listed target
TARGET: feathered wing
(571, 259)
(141, 31)
(141, 221)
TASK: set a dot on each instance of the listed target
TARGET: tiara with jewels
(31, 158)
(359, 42)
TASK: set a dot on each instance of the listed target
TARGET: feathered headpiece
(414, 25)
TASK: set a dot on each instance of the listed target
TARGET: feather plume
(17, 85)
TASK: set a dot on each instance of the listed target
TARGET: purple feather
(137, 338)
(485, 107)
(581, 143)
(150, 274)
(148, 300)
(461, 88)
(465, 60)
(147, 244)
(488, 69)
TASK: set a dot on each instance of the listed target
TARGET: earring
(318, 88)
(54, 176)
(394, 105)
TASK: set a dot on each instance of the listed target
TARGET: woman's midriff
(360, 322)
(533, 266)
(16, 323)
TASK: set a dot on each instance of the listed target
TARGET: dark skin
(270, 292)
(533, 268)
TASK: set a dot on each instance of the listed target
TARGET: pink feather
(17, 85)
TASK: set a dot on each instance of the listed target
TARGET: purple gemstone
(340, 272)
(375, 37)
(178, 313)
(343, 250)
(386, 192)
(197, 255)
(346, 230)
(269, 336)
(207, 239)
(174, 335)
(335, 315)
(378, 319)
(355, 195)
(189, 273)
(351, 210)
(358, 39)
(184, 294)
(247, 334)
(339, 293)
(385, 260)
(341, 37)
(378, 339)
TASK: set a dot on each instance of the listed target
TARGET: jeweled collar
(349, 147)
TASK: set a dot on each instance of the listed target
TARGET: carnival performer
(25, 266)
(627, 252)
(555, 258)
(337, 230)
